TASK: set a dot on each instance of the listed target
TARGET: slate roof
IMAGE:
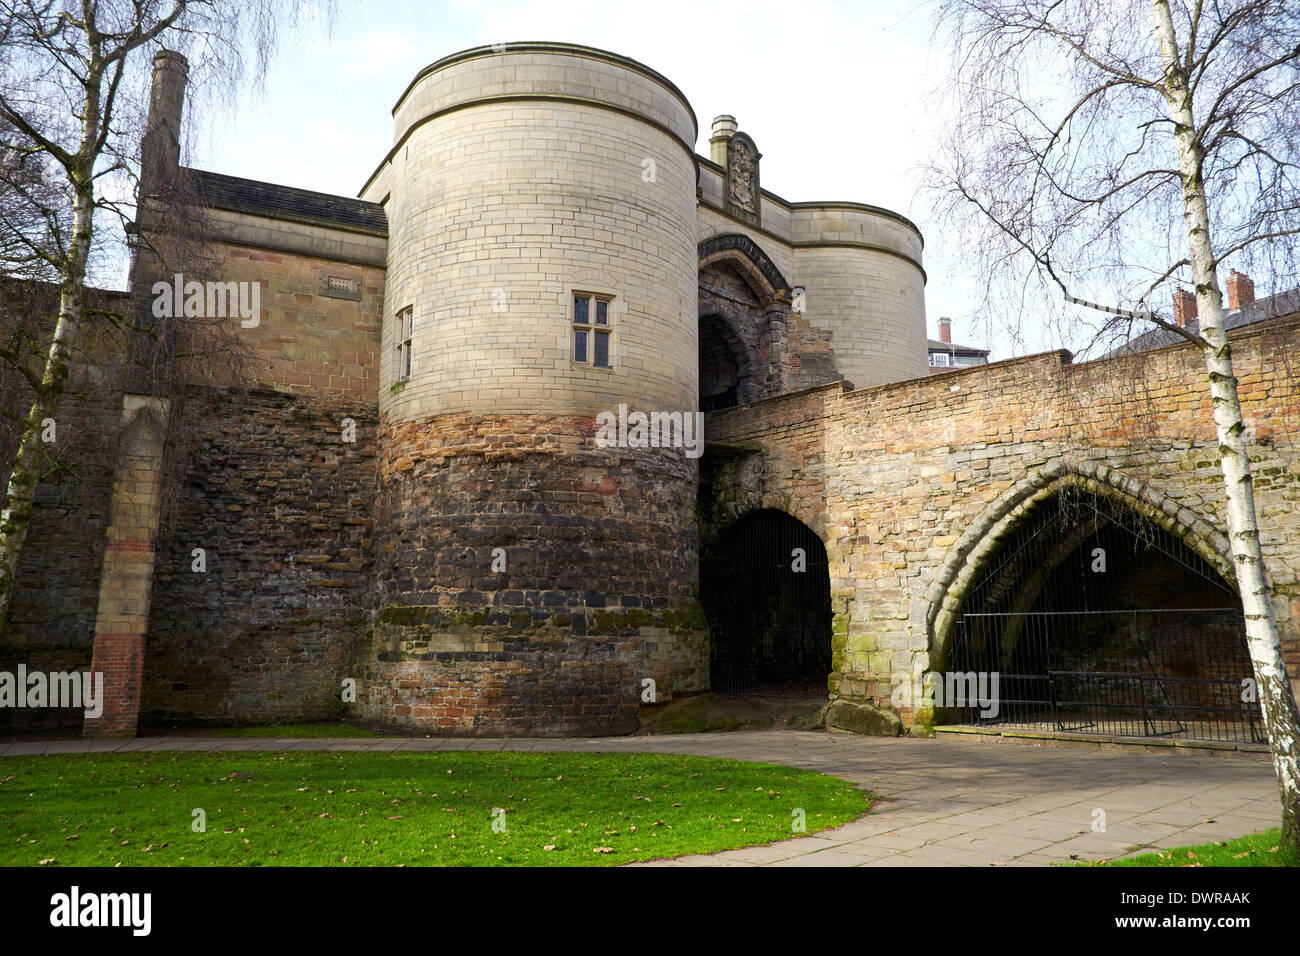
(273, 201)
(1261, 310)
(936, 345)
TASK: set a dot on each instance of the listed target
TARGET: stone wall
(282, 508)
(51, 624)
(861, 270)
(911, 485)
(51, 620)
(307, 341)
(502, 207)
(528, 580)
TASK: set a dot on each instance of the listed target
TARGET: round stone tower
(532, 570)
(869, 287)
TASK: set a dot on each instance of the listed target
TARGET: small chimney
(1184, 307)
(1241, 291)
(724, 127)
(945, 330)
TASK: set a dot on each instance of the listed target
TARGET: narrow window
(591, 330)
(405, 325)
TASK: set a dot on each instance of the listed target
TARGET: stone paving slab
(940, 803)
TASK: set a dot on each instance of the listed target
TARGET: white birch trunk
(16, 514)
(1276, 697)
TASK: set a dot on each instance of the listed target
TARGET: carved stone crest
(742, 189)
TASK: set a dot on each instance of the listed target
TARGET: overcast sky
(835, 94)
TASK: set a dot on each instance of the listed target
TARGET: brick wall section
(306, 342)
(598, 590)
(906, 482)
(124, 594)
(282, 507)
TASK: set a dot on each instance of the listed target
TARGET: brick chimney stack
(1184, 307)
(1241, 291)
(945, 330)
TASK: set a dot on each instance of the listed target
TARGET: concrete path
(942, 803)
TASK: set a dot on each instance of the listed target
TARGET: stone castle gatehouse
(413, 497)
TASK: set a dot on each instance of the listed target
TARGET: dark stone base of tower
(529, 582)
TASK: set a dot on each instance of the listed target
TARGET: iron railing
(1145, 673)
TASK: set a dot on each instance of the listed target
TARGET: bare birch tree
(74, 88)
(1107, 150)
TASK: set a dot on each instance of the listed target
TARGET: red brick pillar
(122, 619)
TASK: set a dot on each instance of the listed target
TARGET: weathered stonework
(912, 485)
(520, 567)
(124, 597)
(473, 560)
(282, 507)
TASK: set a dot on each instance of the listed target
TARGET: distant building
(945, 356)
(1242, 308)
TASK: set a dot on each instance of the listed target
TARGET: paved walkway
(942, 803)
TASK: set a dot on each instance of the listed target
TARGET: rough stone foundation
(529, 581)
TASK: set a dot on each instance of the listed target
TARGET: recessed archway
(742, 331)
(765, 587)
(725, 365)
(1085, 615)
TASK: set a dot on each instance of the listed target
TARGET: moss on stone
(609, 622)
(403, 614)
(922, 722)
(686, 619)
(636, 617)
(701, 713)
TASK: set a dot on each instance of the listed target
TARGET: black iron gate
(1129, 673)
(766, 591)
(1095, 621)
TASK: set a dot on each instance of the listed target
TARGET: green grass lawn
(1258, 849)
(396, 809)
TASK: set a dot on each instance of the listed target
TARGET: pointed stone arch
(750, 262)
(728, 375)
(981, 541)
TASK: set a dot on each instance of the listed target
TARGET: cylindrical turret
(866, 285)
(542, 259)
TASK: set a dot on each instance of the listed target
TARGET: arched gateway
(1092, 609)
(765, 588)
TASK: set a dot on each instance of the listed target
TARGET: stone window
(939, 360)
(405, 323)
(591, 329)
